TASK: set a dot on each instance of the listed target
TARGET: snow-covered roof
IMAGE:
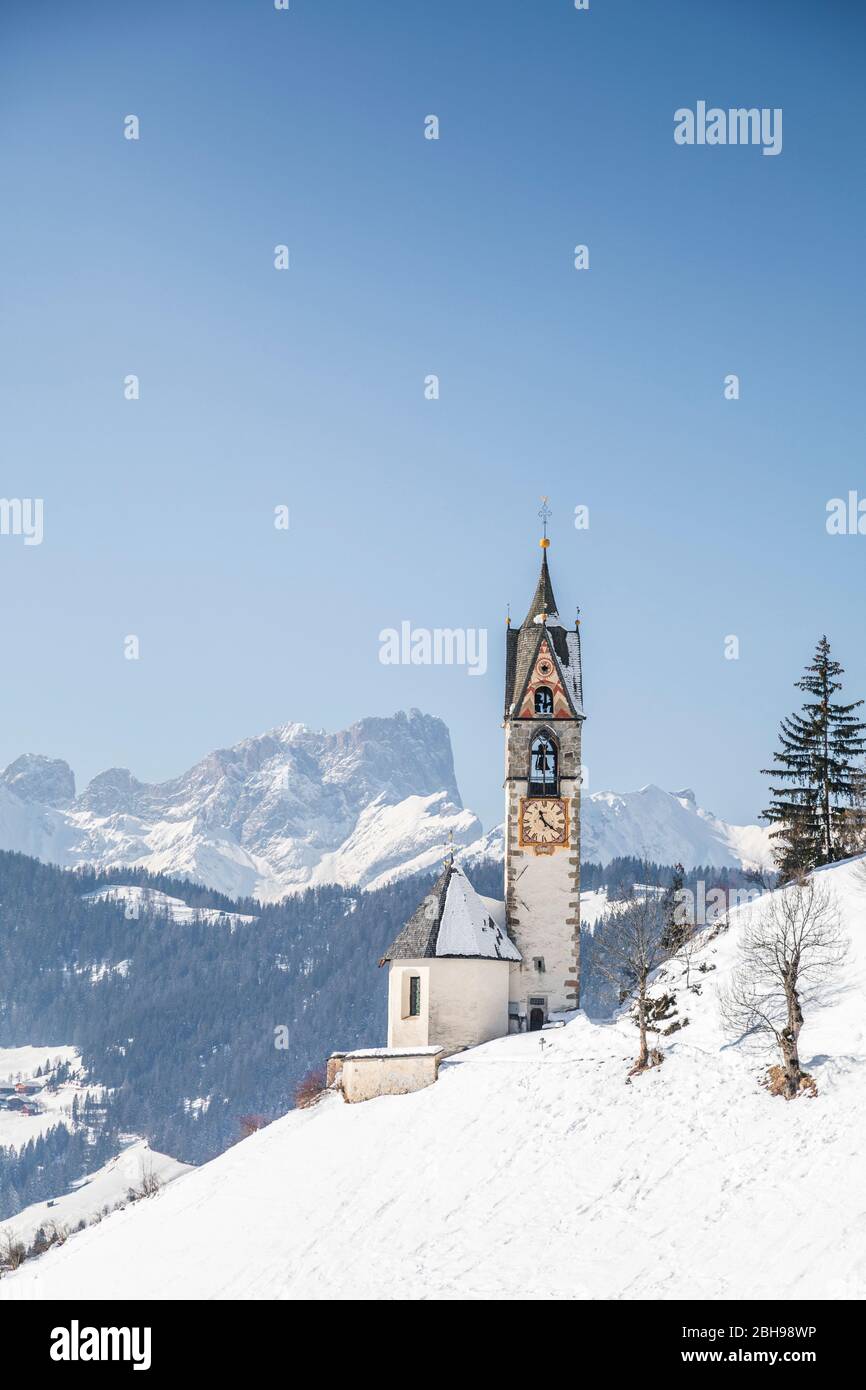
(452, 920)
(429, 1051)
(572, 670)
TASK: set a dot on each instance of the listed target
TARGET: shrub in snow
(148, 1184)
(250, 1123)
(776, 1082)
(12, 1252)
(310, 1088)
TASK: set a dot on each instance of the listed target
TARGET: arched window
(544, 700)
(543, 766)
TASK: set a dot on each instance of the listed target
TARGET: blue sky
(409, 257)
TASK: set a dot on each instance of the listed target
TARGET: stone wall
(382, 1071)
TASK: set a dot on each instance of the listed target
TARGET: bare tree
(635, 944)
(791, 946)
(688, 946)
(12, 1252)
(149, 1182)
(56, 1232)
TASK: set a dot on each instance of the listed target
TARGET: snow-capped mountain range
(667, 828)
(297, 807)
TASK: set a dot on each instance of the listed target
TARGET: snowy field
(22, 1063)
(93, 1194)
(532, 1171)
(138, 902)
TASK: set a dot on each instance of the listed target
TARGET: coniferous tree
(854, 827)
(812, 810)
(677, 922)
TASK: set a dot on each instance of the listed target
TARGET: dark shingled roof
(542, 600)
(522, 643)
(482, 939)
(418, 937)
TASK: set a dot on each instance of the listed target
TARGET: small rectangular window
(414, 996)
(538, 964)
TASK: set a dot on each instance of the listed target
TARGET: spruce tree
(816, 763)
(677, 924)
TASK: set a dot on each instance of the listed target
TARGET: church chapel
(466, 969)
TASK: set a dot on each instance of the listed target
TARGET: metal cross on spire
(449, 848)
(544, 513)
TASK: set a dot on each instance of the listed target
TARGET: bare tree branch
(791, 946)
(634, 945)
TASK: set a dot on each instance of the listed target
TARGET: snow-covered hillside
(22, 1063)
(530, 1170)
(296, 808)
(138, 902)
(99, 1193)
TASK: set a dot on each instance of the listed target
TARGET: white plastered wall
(544, 905)
(464, 1002)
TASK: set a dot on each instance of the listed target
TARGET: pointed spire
(543, 600)
(543, 603)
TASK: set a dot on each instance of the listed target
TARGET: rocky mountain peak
(33, 777)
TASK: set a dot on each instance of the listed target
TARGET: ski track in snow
(532, 1172)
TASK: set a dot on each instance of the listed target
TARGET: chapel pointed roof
(452, 920)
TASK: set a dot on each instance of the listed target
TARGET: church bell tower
(543, 722)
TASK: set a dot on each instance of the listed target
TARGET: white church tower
(543, 721)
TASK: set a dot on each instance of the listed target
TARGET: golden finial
(508, 615)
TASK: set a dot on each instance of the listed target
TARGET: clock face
(543, 821)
